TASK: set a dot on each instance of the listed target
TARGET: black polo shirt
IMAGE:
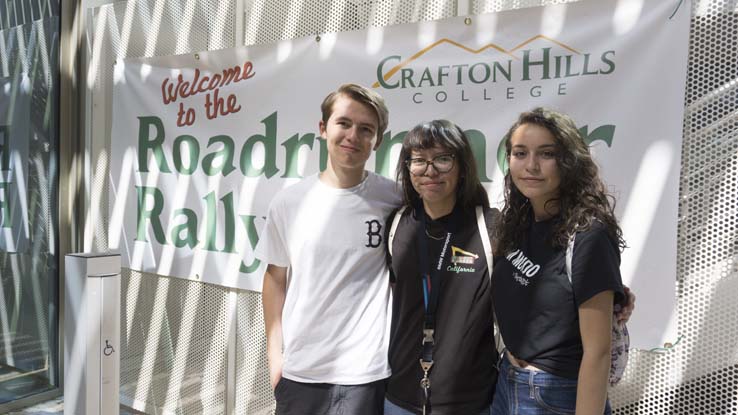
(463, 375)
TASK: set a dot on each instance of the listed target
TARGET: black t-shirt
(537, 306)
(463, 374)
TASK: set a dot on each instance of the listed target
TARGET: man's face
(350, 132)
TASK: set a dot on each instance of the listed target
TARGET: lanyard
(431, 277)
(431, 281)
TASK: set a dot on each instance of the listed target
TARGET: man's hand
(275, 368)
(273, 295)
(623, 315)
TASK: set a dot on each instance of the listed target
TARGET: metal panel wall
(175, 333)
(193, 348)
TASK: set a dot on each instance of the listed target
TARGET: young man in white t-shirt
(326, 288)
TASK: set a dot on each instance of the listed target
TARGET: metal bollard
(92, 334)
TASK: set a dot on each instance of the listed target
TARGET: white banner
(202, 142)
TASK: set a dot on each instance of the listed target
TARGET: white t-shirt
(335, 320)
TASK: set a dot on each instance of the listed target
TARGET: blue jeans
(531, 392)
(392, 409)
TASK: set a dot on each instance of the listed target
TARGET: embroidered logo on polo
(460, 256)
(526, 269)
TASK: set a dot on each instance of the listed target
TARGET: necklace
(437, 238)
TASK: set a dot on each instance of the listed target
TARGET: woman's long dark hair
(443, 133)
(582, 199)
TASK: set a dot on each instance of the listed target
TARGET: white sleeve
(272, 247)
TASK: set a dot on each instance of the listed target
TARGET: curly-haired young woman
(554, 317)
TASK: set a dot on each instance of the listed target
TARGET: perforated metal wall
(175, 345)
(491, 6)
(18, 12)
(700, 374)
(253, 392)
(271, 21)
(176, 333)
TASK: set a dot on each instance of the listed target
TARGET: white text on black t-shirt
(526, 267)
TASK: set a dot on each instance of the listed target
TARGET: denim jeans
(392, 409)
(531, 392)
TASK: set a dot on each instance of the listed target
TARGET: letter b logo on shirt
(373, 233)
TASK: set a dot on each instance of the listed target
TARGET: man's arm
(595, 326)
(627, 310)
(273, 294)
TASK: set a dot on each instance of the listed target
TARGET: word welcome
(215, 105)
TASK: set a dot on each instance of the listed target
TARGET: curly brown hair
(582, 197)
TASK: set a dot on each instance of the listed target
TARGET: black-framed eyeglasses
(442, 163)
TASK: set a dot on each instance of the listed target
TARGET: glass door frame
(70, 195)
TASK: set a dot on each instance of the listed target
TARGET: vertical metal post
(71, 148)
(92, 334)
(239, 23)
(232, 344)
(232, 356)
(463, 7)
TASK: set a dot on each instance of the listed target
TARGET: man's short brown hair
(364, 96)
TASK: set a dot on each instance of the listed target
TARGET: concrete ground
(53, 407)
(56, 407)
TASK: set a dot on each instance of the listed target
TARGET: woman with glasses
(442, 351)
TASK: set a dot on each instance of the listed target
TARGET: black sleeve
(595, 265)
(388, 225)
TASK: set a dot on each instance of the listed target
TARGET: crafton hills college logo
(447, 70)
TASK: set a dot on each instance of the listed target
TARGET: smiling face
(533, 167)
(350, 132)
(433, 187)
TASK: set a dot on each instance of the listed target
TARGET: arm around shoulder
(273, 293)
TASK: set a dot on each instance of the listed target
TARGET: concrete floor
(54, 407)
